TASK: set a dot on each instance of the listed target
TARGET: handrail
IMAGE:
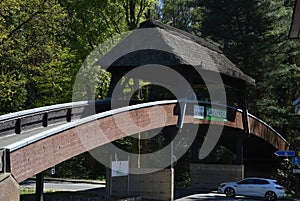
(70, 125)
(40, 110)
(79, 122)
(14, 123)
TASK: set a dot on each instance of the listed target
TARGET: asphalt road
(216, 197)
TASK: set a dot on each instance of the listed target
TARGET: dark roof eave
(295, 25)
(230, 74)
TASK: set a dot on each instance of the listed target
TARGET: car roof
(260, 178)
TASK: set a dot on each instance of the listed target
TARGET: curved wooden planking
(31, 157)
(264, 131)
(28, 160)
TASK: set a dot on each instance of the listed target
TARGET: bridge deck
(37, 149)
(7, 140)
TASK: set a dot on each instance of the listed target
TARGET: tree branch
(25, 22)
(141, 10)
(127, 12)
(22, 24)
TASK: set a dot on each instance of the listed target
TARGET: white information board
(198, 112)
(119, 168)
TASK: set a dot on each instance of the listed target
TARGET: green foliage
(12, 92)
(43, 44)
(83, 166)
(254, 35)
(183, 14)
(286, 177)
(31, 54)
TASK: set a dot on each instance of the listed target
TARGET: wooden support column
(113, 82)
(239, 148)
(39, 188)
(243, 105)
(240, 136)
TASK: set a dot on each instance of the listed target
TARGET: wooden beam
(295, 26)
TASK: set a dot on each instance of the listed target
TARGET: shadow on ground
(97, 194)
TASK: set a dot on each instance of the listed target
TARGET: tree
(185, 15)
(32, 54)
(253, 34)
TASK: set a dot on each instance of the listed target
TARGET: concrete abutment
(10, 189)
(209, 176)
(157, 185)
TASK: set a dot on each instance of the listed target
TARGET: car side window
(261, 182)
(246, 181)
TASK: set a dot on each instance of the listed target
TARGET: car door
(245, 187)
(261, 187)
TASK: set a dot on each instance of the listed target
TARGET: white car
(256, 187)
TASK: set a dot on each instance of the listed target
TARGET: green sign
(216, 114)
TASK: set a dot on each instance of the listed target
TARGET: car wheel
(229, 192)
(270, 196)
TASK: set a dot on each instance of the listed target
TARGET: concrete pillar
(10, 189)
(169, 133)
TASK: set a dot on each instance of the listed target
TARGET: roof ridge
(150, 23)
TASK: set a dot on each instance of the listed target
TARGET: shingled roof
(147, 44)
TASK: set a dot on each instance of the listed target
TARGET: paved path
(62, 186)
(12, 138)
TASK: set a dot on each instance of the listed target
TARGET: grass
(27, 191)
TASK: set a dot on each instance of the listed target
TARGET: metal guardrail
(15, 123)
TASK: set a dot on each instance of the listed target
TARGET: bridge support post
(243, 105)
(39, 191)
(115, 77)
(239, 148)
